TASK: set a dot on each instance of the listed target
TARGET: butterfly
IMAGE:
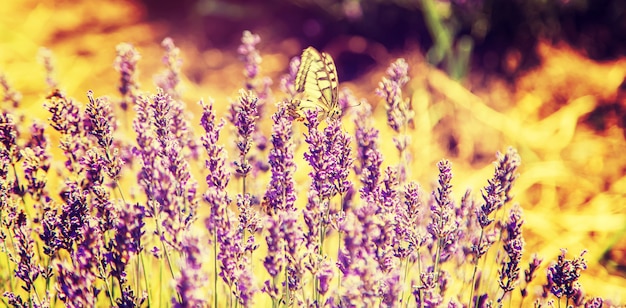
(317, 84)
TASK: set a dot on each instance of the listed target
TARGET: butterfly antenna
(351, 106)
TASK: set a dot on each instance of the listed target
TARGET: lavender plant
(83, 239)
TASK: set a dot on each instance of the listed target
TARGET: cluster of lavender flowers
(363, 236)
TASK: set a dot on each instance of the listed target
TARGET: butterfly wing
(317, 82)
(329, 84)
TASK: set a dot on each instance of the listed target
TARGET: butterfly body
(317, 84)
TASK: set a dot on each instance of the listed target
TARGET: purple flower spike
(169, 80)
(443, 223)
(45, 57)
(496, 193)
(127, 240)
(76, 281)
(563, 275)
(329, 155)
(274, 261)
(244, 116)
(288, 81)
(8, 136)
(506, 171)
(49, 233)
(251, 57)
(390, 88)
(408, 221)
(369, 157)
(74, 217)
(252, 62)
(10, 94)
(325, 275)
(27, 268)
(36, 163)
(100, 120)
(218, 177)
(36, 166)
(513, 247)
(529, 274)
(126, 64)
(67, 119)
(280, 194)
(192, 278)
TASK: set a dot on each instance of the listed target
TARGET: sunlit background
(546, 77)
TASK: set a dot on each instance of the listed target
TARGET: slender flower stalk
(28, 269)
(443, 225)
(243, 117)
(66, 118)
(46, 59)
(169, 80)
(36, 163)
(77, 278)
(252, 59)
(369, 157)
(217, 181)
(529, 274)
(11, 96)
(495, 194)
(101, 124)
(9, 152)
(126, 64)
(285, 238)
(274, 262)
(399, 113)
(563, 278)
(280, 194)
(192, 277)
(288, 81)
(513, 247)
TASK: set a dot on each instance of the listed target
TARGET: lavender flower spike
(251, 57)
(126, 64)
(10, 94)
(280, 194)
(45, 57)
(288, 81)
(192, 278)
(243, 116)
(444, 223)
(218, 176)
(27, 268)
(513, 247)
(563, 275)
(252, 62)
(169, 80)
(390, 88)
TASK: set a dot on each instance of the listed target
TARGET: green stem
(406, 274)
(439, 33)
(215, 267)
(145, 277)
(419, 270)
(437, 258)
(480, 240)
(107, 285)
(171, 267)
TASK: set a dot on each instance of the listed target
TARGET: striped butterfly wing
(317, 80)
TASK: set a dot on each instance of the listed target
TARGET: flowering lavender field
(112, 212)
